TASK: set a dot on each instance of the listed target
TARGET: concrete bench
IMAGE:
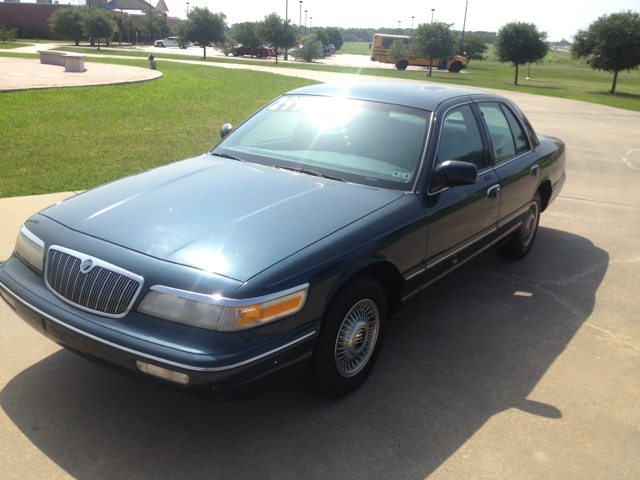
(72, 62)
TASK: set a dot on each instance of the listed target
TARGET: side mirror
(454, 173)
(225, 130)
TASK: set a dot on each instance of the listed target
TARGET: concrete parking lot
(507, 370)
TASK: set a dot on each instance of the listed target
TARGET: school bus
(382, 42)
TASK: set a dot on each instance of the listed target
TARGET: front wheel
(522, 241)
(350, 338)
(160, 44)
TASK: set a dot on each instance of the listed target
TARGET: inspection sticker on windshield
(402, 174)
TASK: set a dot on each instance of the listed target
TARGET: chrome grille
(104, 289)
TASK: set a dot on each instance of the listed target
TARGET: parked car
(171, 42)
(332, 48)
(259, 52)
(326, 51)
(291, 243)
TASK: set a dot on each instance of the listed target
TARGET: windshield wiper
(224, 155)
(308, 172)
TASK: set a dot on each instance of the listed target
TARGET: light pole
(412, 23)
(432, 10)
(310, 24)
(300, 20)
(187, 9)
(399, 24)
(305, 22)
(464, 25)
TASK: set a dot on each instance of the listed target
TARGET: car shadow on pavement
(474, 346)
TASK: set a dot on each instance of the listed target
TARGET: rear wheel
(350, 338)
(402, 65)
(259, 55)
(160, 44)
(522, 241)
(455, 67)
(181, 45)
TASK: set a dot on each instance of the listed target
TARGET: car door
(513, 158)
(460, 219)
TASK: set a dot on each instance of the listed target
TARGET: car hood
(231, 218)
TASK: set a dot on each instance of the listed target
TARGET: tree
(434, 40)
(519, 43)
(611, 43)
(277, 33)
(155, 23)
(309, 50)
(226, 46)
(248, 34)
(8, 34)
(97, 24)
(129, 26)
(397, 52)
(322, 36)
(204, 27)
(474, 47)
(68, 22)
(335, 37)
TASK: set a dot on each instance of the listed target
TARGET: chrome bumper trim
(151, 357)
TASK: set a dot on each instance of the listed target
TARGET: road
(476, 380)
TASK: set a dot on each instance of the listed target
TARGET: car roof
(424, 95)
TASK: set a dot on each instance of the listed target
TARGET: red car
(259, 52)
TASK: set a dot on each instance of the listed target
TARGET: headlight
(30, 248)
(216, 313)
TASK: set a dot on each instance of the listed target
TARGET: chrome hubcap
(357, 338)
(529, 225)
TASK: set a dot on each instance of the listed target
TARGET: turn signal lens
(160, 372)
(249, 316)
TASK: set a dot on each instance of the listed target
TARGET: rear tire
(350, 338)
(522, 241)
(181, 45)
(455, 67)
(402, 65)
(160, 44)
(258, 55)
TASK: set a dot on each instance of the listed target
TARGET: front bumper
(221, 376)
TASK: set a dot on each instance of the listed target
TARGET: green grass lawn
(76, 138)
(557, 76)
(9, 46)
(355, 48)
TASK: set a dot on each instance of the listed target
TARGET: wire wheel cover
(357, 338)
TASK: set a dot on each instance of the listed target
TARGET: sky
(559, 18)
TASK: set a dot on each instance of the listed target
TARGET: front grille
(105, 289)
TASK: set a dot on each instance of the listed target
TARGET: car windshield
(375, 144)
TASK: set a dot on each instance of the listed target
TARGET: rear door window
(501, 138)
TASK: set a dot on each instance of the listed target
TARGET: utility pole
(305, 22)
(300, 20)
(432, 10)
(412, 23)
(286, 24)
(464, 25)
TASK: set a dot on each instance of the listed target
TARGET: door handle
(492, 193)
(534, 171)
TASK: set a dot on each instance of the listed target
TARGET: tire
(402, 65)
(455, 67)
(235, 54)
(350, 338)
(258, 55)
(181, 45)
(522, 240)
(160, 44)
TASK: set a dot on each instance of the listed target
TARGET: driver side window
(460, 139)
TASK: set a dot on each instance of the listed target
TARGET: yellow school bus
(382, 42)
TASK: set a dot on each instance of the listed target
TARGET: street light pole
(305, 22)
(286, 23)
(300, 20)
(432, 10)
(399, 24)
(412, 23)
(187, 9)
(310, 24)
(464, 25)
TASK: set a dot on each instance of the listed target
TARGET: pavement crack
(624, 159)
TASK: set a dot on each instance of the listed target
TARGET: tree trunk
(77, 42)
(204, 49)
(276, 55)
(516, 82)
(615, 79)
(285, 55)
(98, 44)
(430, 68)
